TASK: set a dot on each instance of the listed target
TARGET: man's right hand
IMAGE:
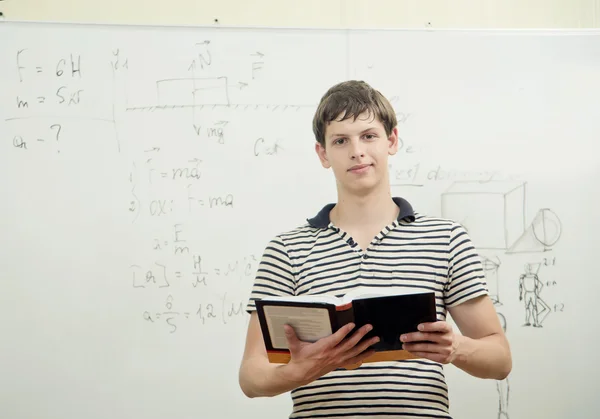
(310, 361)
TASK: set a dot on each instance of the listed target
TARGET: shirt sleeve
(275, 274)
(466, 278)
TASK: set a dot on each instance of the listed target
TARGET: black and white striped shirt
(415, 252)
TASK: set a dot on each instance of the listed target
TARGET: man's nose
(357, 149)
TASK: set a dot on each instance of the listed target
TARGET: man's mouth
(359, 167)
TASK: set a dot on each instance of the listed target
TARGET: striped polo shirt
(414, 253)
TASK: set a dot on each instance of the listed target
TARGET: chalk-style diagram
(541, 235)
(530, 288)
(491, 268)
(494, 214)
(503, 386)
(193, 87)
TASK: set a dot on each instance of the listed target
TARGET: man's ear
(393, 142)
(322, 153)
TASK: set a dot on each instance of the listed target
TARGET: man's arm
(258, 377)
(275, 276)
(482, 350)
(309, 361)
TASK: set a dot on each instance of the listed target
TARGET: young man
(369, 238)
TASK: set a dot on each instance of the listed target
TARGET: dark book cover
(390, 315)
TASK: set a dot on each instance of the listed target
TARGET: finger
(439, 326)
(363, 346)
(338, 336)
(356, 337)
(359, 358)
(426, 347)
(426, 336)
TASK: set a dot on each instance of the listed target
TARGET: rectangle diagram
(188, 92)
(493, 213)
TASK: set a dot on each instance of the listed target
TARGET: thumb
(290, 335)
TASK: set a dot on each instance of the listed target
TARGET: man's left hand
(435, 341)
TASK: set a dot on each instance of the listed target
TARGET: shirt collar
(322, 220)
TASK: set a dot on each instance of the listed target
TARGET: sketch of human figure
(530, 288)
(503, 386)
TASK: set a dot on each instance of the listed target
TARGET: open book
(390, 312)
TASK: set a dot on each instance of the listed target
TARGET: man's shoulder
(424, 220)
(302, 232)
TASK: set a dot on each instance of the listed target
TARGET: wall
(317, 13)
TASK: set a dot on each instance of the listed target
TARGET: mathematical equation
(67, 71)
(160, 207)
(58, 83)
(56, 96)
(157, 275)
(65, 68)
(51, 137)
(214, 132)
(218, 310)
(191, 171)
(191, 200)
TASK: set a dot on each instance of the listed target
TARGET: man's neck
(372, 210)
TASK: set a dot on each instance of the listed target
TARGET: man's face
(357, 151)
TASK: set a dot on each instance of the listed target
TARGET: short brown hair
(349, 99)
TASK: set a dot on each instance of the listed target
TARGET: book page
(310, 323)
(369, 292)
(309, 298)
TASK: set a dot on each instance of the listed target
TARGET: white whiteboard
(144, 169)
